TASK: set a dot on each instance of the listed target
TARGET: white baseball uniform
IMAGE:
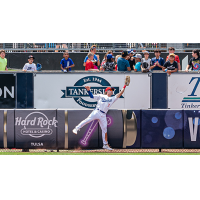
(103, 105)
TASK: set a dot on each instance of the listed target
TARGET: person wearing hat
(122, 63)
(138, 64)
(171, 65)
(105, 101)
(109, 65)
(131, 59)
(146, 62)
(30, 66)
(172, 50)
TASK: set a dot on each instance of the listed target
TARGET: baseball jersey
(109, 66)
(104, 102)
(3, 64)
(30, 67)
(66, 63)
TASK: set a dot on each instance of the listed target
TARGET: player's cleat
(75, 130)
(105, 146)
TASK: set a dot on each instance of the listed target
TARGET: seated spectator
(109, 65)
(131, 59)
(172, 50)
(3, 61)
(96, 57)
(30, 66)
(194, 62)
(146, 62)
(157, 61)
(116, 58)
(61, 45)
(138, 64)
(66, 63)
(89, 66)
(171, 65)
(122, 63)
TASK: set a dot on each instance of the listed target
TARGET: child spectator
(89, 66)
(66, 63)
(30, 66)
(104, 60)
(138, 58)
(116, 58)
(172, 50)
(122, 62)
(3, 61)
(109, 65)
(157, 61)
(96, 60)
(146, 62)
(171, 65)
(194, 62)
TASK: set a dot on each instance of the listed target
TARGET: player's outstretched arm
(121, 92)
(89, 92)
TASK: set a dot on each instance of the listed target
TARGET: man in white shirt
(30, 66)
(105, 101)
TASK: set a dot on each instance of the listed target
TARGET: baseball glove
(127, 81)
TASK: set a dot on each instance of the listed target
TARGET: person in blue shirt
(157, 62)
(66, 63)
(138, 58)
(96, 57)
(122, 63)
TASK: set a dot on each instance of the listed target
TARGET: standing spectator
(171, 65)
(109, 65)
(3, 61)
(96, 57)
(105, 57)
(138, 64)
(194, 62)
(30, 66)
(157, 61)
(146, 62)
(122, 63)
(131, 59)
(116, 58)
(172, 50)
(89, 66)
(66, 63)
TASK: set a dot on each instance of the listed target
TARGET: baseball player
(104, 103)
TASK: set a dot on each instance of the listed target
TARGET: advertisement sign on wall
(7, 91)
(68, 90)
(184, 91)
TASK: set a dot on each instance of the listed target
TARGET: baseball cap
(138, 56)
(30, 57)
(109, 88)
(109, 56)
(145, 52)
(172, 54)
(124, 53)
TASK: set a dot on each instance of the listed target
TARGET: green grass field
(100, 153)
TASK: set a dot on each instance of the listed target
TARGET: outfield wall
(52, 129)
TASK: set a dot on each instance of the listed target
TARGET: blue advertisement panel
(191, 129)
(162, 129)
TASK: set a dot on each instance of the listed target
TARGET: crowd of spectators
(126, 61)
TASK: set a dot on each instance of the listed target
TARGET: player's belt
(101, 111)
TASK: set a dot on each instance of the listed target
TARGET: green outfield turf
(100, 153)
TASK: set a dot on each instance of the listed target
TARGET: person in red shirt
(89, 66)
(172, 50)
